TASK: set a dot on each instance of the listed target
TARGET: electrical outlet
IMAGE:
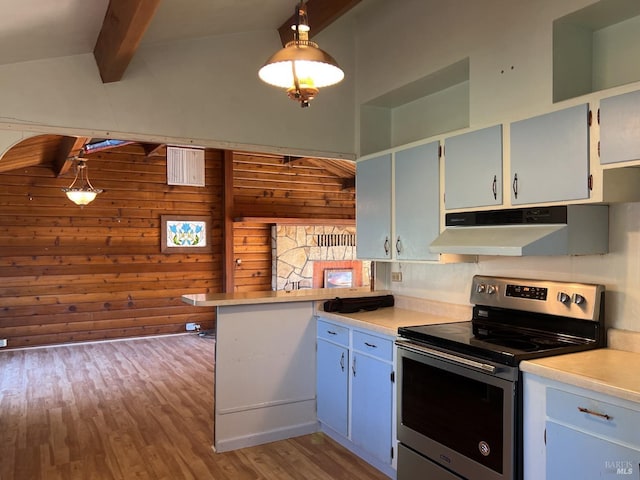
(3, 342)
(191, 327)
(396, 276)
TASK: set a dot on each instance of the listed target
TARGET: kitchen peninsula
(264, 386)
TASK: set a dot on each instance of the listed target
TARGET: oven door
(457, 412)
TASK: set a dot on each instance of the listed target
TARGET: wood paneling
(71, 274)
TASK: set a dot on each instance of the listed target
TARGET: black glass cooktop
(503, 346)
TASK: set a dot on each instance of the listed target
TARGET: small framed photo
(185, 233)
(338, 278)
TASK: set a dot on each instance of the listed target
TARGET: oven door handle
(412, 347)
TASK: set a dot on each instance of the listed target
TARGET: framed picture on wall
(338, 278)
(185, 233)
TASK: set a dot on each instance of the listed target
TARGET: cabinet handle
(398, 245)
(386, 246)
(494, 187)
(331, 332)
(342, 362)
(353, 366)
(371, 345)
(515, 185)
(596, 414)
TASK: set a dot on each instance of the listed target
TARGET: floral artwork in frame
(184, 233)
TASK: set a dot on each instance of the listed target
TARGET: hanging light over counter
(301, 67)
(81, 192)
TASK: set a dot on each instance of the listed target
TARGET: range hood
(556, 230)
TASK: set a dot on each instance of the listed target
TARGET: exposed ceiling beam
(151, 149)
(124, 25)
(321, 13)
(70, 147)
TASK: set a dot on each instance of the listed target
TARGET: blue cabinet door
(417, 206)
(550, 157)
(373, 208)
(620, 128)
(371, 407)
(332, 384)
(473, 169)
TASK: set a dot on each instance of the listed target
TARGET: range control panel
(577, 300)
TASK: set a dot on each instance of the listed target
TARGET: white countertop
(387, 320)
(278, 296)
(613, 371)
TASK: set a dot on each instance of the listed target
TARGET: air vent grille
(185, 166)
(336, 240)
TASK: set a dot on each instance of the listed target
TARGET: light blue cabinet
(590, 438)
(550, 157)
(473, 169)
(355, 391)
(373, 208)
(620, 128)
(332, 384)
(417, 197)
(371, 405)
(572, 432)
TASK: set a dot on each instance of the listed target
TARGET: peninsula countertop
(278, 296)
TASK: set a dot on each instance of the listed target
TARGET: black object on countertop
(353, 305)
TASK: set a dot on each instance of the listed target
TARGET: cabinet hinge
(391, 453)
(589, 118)
(440, 151)
(598, 116)
(598, 148)
(393, 377)
(590, 182)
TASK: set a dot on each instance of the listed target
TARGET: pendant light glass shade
(301, 66)
(83, 193)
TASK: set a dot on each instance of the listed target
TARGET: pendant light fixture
(301, 67)
(81, 192)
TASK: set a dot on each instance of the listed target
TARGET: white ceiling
(38, 29)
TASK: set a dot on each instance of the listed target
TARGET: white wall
(399, 42)
(205, 89)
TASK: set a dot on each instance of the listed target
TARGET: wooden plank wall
(71, 273)
(76, 274)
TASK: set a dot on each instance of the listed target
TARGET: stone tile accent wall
(295, 249)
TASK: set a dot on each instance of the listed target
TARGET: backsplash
(618, 270)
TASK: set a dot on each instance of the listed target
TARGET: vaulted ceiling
(114, 29)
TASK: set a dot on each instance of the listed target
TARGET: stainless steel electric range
(459, 386)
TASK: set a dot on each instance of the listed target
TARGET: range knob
(577, 299)
(563, 297)
(481, 288)
(491, 289)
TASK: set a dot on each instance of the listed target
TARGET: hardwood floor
(138, 409)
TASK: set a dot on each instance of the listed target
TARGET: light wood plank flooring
(138, 409)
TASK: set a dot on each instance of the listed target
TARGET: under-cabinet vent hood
(556, 230)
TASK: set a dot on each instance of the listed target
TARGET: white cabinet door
(550, 157)
(332, 384)
(417, 207)
(473, 169)
(371, 405)
(373, 208)
(620, 128)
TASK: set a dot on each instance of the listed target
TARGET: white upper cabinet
(620, 128)
(417, 220)
(473, 169)
(373, 208)
(550, 157)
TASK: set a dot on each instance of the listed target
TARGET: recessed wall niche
(596, 48)
(433, 104)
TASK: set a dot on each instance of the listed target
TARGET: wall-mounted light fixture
(81, 192)
(301, 67)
